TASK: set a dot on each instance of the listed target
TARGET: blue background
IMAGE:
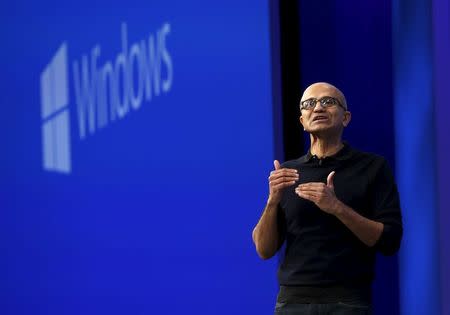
(157, 215)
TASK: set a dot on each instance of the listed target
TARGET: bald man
(333, 208)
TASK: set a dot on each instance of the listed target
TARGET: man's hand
(321, 194)
(279, 179)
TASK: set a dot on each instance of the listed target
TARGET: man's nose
(318, 107)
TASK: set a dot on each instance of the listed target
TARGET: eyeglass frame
(320, 102)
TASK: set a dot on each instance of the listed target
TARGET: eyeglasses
(325, 102)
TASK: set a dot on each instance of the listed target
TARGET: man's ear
(347, 118)
(301, 121)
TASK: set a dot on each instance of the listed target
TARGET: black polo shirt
(323, 261)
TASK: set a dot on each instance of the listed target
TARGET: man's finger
(317, 190)
(286, 171)
(313, 185)
(276, 164)
(283, 185)
(307, 196)
(330, 179)
(276, 181)
(281, 173)
(278, 176)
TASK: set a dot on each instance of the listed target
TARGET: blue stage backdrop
(134, 167)
(416, 146)
(441, 50)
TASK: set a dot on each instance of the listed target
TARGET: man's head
(324, 110)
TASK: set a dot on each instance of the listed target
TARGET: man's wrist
(339, 208)
(271, 202)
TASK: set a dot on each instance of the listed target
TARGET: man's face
(319, 120)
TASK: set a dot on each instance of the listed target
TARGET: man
(334, 207)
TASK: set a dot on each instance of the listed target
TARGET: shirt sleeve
(386, 209)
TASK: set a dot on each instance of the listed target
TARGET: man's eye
(328, 101)
(309, 103)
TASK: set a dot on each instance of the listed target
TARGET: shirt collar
(343, 154)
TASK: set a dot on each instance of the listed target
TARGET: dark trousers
(322, 309)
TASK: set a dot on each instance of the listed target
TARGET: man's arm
(368, 231)
(267, 235)
(384, 232)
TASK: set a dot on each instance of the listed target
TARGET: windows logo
(56, 155)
